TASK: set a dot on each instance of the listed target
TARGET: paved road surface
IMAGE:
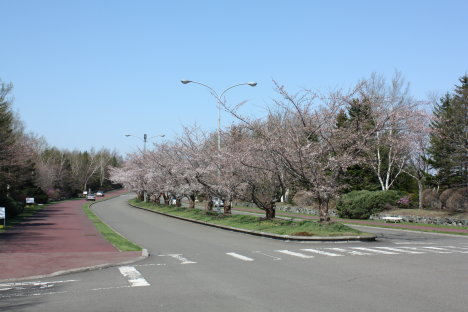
(198, 268)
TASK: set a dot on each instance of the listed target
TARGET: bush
(458, 200)
(431, 199)
(303, 198)
(363, 204)
(13, 208)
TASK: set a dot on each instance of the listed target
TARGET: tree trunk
(420, 192)
(178, 202)
(323, 209)
(209, 204)
(191, 201)
(166, 199)
(140, 195)
(270, 212)
(227, 207)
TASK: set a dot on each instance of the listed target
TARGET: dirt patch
(302, 234)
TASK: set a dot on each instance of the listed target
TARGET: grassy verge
(28, 211)
(117, 240)
(254, 223)
(375, 223)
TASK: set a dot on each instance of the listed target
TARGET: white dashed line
(375, 251)
(179, 257)
(295, 254)
(134, 277)
(402, 250)
(240, 257)
(321, 252)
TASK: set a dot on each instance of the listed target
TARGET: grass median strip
(255, 223)
(117, 240)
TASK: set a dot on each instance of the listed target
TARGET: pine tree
(449, 138)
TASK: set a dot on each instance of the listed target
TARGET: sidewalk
(58, 238)
(422, 227)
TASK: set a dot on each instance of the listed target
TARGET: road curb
(144, 255)
(270, 235)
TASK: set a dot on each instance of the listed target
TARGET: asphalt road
(199, 268)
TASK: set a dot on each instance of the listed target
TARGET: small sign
(2, 212)
(29, 200)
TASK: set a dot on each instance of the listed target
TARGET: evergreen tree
(449, 138)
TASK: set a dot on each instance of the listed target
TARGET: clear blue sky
(87, 72)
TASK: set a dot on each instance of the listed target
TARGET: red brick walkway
(59, 237)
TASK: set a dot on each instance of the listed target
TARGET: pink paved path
(59, 237)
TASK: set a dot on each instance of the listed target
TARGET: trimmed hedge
(363, 204)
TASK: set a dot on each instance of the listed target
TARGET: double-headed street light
(144, 139)
(219, 100)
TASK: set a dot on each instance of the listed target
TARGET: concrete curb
(144, 255)
(270, 235)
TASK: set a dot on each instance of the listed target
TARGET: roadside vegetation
(255, 223)
(371, 149)
(117, 240)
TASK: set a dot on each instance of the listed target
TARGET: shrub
(303, 198)
(431, 199)
(363, 204)
(445, 195)
(458, 200)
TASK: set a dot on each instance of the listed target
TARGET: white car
(100, 193)
(90, 197)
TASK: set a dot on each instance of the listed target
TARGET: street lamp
(144, 139)
(219, 100)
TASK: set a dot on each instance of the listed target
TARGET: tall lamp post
(145, 138)
(219, 100)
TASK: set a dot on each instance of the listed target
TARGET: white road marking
(241, 257)
(149, 264)
(375, 251)
(134, 277)
(178, 257)
(321, 252)
(438, 250)
(456, 249)
(413, 243)
(295, 254)
(351, 252)
(274, 257)
(21, 285)
(402, 250)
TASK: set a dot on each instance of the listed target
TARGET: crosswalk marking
(267, 255)
(295, 254)
(351, 252)
(134, 277)
(456, 249)
(411, 252)
(438, 250)
(375, 251)
(321, 252)
(241, 257)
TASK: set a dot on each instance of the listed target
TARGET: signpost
(3, 216)
(30, 200)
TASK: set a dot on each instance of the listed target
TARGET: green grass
(383, 224)
(28, 211)
(254, 223)
(117, 240)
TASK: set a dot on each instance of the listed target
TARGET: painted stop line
(134, 277)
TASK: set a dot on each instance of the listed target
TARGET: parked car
(100, 193)
(91, 197)
(217, 202)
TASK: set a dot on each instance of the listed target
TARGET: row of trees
(29, 167)
(323, 143)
